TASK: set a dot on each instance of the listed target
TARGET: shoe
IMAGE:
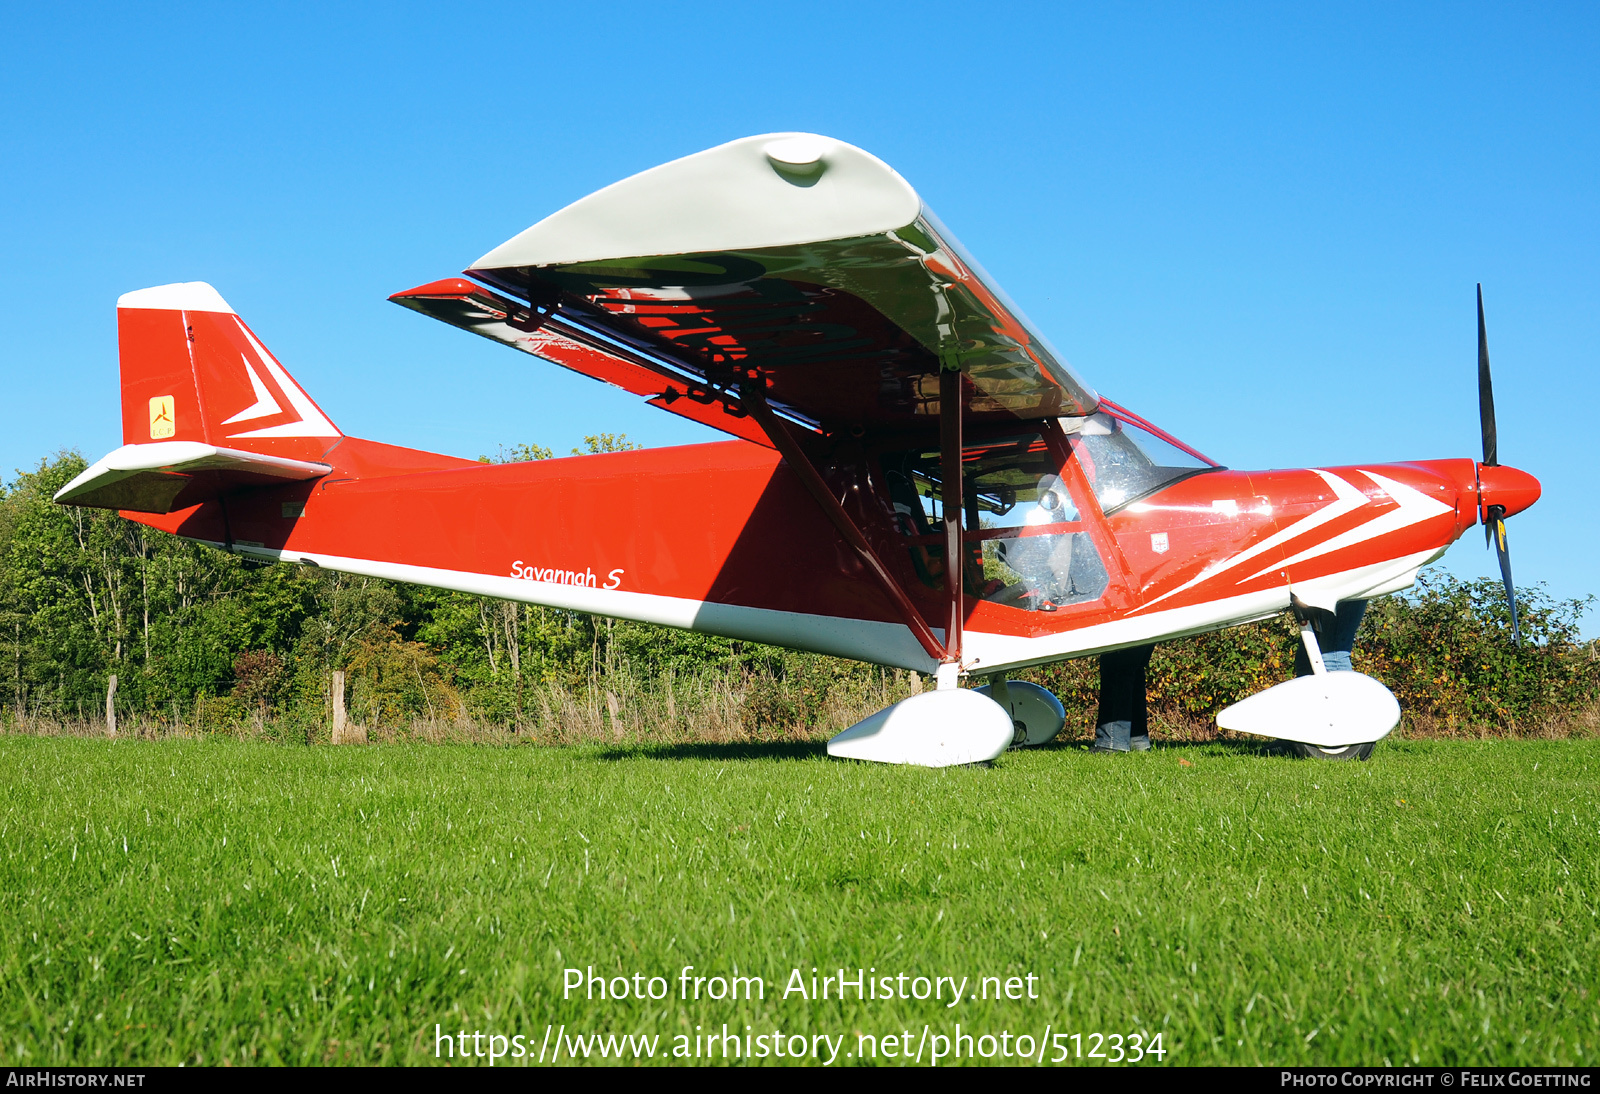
(1140, 743)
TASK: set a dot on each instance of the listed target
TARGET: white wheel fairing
(1331, 711)
(934, 729)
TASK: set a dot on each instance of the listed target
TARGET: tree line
(198, 636)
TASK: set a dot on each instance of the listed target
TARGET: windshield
(1124, 462)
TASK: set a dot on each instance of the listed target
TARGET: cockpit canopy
(1027, 545)
(1125, 462)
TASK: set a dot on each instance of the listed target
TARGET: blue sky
(1259, 226)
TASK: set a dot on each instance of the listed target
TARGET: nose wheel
(1324, 716)
(1317, 752)
(1308, 637)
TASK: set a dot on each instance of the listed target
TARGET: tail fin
(192, 371)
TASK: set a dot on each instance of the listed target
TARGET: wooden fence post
(338, 707)
(111, 705)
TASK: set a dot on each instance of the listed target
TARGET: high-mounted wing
(792, 261)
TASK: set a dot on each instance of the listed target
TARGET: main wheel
(1317, 752)
(1037, 715)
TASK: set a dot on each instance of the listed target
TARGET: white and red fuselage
(723, 537)
(889, 407)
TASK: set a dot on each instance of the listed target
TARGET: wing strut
(755, 402)
(953, 502)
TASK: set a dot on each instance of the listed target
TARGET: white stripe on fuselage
(869, 640)
(1413, 507)
(873, 641)
(999, 652)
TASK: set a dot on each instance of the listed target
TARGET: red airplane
(916, 477)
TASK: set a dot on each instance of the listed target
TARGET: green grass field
(227, 902)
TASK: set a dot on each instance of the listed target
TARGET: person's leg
(1339, 638)
(1121, 724)
(1139, 738)
(1336, 637)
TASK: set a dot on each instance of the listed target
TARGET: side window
(1025, 545)
(1125, 463)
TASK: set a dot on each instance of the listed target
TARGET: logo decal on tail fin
(163, 420)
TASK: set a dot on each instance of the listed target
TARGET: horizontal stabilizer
(165, 476)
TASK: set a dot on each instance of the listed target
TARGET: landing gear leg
(1335, 635)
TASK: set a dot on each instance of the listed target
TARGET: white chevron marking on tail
(312, 423)
(264, 405)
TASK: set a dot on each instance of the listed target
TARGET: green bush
(1445, 650)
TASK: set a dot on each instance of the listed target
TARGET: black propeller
(1494, 517)
(1491, 443)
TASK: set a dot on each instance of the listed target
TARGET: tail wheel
(1345, 752)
